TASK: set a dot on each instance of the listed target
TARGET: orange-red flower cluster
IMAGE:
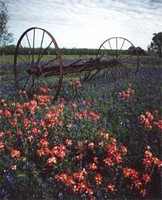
(89, 115)
(15, 153)
(133, 176)
(158, 124)
(52, 117)
(53, 154)
(149, 160)
(7, 113)
(150, 120)
(114, 154)
(126, 94)
(111, 187)
(76, 182)
(146, 119)
(31, 106)
(2, 146)
(43, 100)
(98, 179)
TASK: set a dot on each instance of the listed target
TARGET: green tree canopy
(5, 36)
(156, 43)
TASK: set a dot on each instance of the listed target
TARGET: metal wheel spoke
(23, 63)
(120, 55)
(116, 47)
(110, 44)
(33, 46)
(45, 51)
(122, 44)
(29, 55)
(41, 46)
(28, 40)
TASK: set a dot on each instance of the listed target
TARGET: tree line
(10, 50)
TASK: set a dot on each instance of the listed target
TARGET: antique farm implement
(37, 56)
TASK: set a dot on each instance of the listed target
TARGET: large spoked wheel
(36, 54)
(122, 56)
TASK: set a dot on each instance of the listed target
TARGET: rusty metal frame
(77, 66)
(57, 51)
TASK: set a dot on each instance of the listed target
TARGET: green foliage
(5, 36)
(156, 43)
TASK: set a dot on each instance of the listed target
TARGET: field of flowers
(100, 140)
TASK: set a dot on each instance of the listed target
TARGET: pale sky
(87, 23)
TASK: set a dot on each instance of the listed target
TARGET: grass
(9, 59)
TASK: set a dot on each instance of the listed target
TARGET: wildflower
(130, 173)
(2, 146)
(79, 157)
(31, 106)
(87, 102)
(98, 179)
(22, 92)
(13, 122)
(43, 100)
(68, 142)
(43, 151)
(52, 117)
(62, 177)
(26, 123)
(90, 115)
(59, 151)
(142, 119)
(91, 145)
(7, 113)
(30, 138)
(125, 95)
(146, 120)
(80, 175)
(15, 153)
(1, 134)
(74, 106)
(111, 187)
(146, 178)
(13, 167)
(157, 162)
(43, 142)
(158, 124)
(148, 159)
(35, 131)
(123, 150)
(108, 162)
(51, 161)
(149, 116)
(93, 166)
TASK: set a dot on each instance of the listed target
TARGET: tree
(5, 37)
(156, 44)
(136, 51)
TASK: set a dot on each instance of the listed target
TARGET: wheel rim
(118, 49)
(36, 50)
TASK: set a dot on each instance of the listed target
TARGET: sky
(87, 23)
